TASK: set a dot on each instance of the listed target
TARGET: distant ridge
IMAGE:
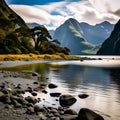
(96, 34)
(82, 38)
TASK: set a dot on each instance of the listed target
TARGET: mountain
(52, 32)
(111, 46)
(69, 35)
(17, 38)
(8, 18)
(96, 34)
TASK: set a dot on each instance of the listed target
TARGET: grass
(12, 57)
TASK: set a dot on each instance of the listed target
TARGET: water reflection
(102, 85)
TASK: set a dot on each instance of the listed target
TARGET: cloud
(106, 5)
(54, 14)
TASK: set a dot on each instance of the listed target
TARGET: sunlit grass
(8, 57)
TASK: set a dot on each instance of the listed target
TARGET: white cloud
(106, 5)
(90, 11)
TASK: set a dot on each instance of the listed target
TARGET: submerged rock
(67, 100)
(87, 114)
(83, 96)
(51, 85)
(31, 100)
(55, 94)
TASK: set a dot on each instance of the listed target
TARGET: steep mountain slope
(8, 18)
(111, 46)
(69, 36)
(96, 34)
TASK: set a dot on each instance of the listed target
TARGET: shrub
(16, 51)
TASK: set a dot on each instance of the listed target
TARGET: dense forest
(17, 38)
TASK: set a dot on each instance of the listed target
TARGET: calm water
(102, 84)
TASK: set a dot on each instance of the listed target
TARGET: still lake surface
(100, 79)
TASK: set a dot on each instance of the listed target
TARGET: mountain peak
(71, 20)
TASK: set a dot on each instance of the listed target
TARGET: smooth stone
(44, 91)
(87, 114)
(55, 94)
(67, 100)
(35, 74)
(51, 86)
(31, 100)
(83, 96)
(34, 93)
(35, 83)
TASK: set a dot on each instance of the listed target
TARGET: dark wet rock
(29, 89)
(51, 86)
(87, 114)
(38, 109)
(5, 91)
(36, 83)
(29, 104)
(55, 94)
(31, 100)
(18, 91)
(34, 74)
(67, 100)
(34, 93)
(83, 96)
(16, 104)
(44, 91)
(70, 111)
(4, 98)
(21, 100)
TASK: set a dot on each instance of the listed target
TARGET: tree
(39, 35)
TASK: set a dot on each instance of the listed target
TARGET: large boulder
(87, 114)
(67, 100)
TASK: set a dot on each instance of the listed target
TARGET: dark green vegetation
(17, 38)
(111, 46)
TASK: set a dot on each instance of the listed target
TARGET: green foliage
(17, 38)
(16, 50)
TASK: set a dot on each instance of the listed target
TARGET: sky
(53, 13)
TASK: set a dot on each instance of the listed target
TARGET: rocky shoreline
(13, 104)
